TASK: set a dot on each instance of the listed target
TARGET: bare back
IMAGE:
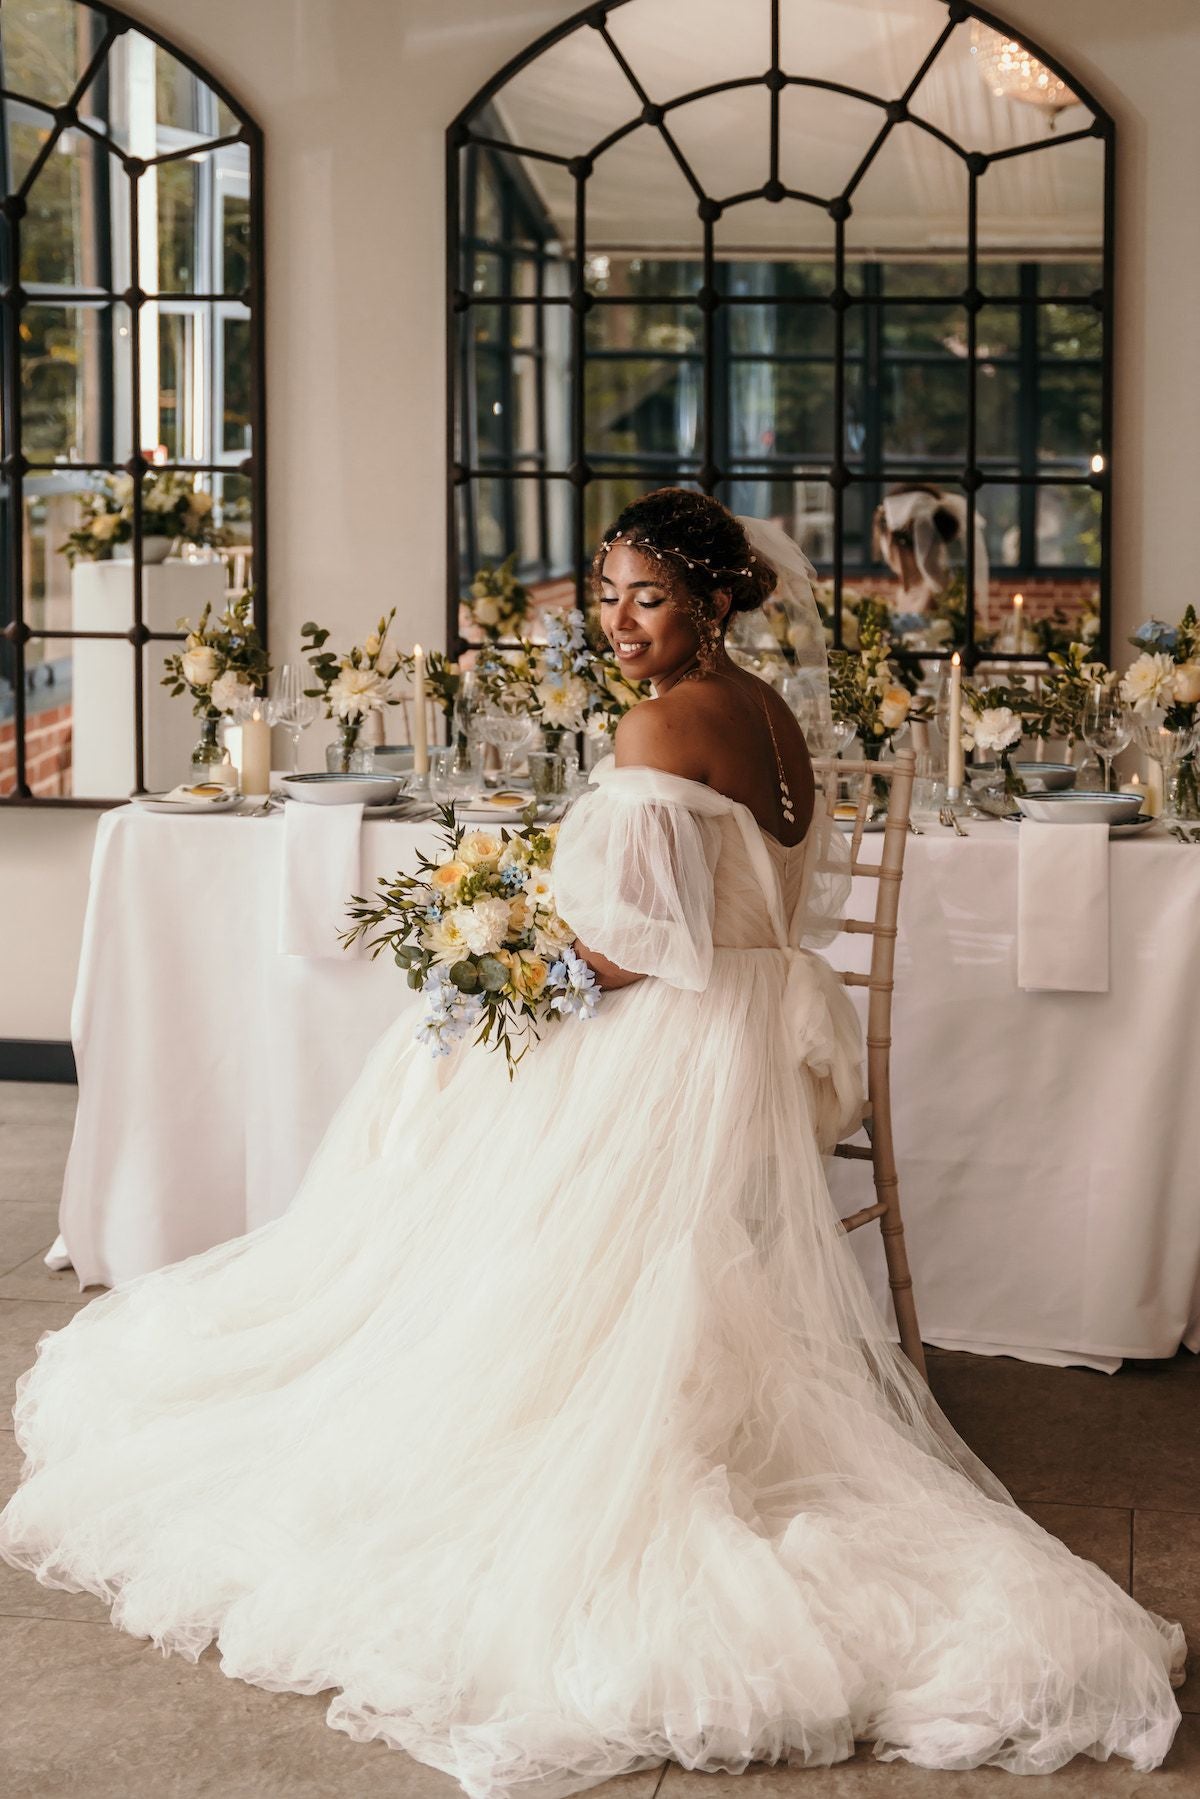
(726, 730)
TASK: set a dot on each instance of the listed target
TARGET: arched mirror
(131, 485)
(845, 265)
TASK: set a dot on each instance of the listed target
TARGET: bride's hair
(701, 545)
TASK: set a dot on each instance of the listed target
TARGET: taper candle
(1018, 622)
(420, 733)
(954, 747)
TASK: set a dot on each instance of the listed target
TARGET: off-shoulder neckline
(607, 769)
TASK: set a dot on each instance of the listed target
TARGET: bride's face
(649, 629)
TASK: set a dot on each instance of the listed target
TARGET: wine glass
(806, 695)
(508, 728)
(291, 708)
(1107, 726)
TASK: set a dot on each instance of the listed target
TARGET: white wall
(354, 96)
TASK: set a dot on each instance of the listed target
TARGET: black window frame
(477, 131)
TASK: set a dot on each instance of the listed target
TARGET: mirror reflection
(862, 293)
(129, 494)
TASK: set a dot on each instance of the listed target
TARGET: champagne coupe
(291, 708)
(1107, 726)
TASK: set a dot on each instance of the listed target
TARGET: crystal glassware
(1169, 747)
(1107, 727)
(508, 729)
(291, 708)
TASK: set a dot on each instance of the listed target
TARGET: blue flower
(451, 1016)
(1154, 636)
(573, 988)
(512, 877)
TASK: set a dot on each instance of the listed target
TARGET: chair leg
(900, 1282)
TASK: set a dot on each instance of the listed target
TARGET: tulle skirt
(553, 1431)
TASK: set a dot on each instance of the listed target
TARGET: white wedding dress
(553, 1429)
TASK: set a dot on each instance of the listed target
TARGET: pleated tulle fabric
(552, 1431)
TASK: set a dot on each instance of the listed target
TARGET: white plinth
(102, 673)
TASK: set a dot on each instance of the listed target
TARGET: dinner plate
(1133, 828)
(154, 802)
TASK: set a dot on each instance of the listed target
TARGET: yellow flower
(479, 849)
(528, 973)
(894, 709)
(518, 915)
(447, 879)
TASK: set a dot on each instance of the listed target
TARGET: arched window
(815, 259)
(132, 374)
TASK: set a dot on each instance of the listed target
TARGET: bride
(553, 1429)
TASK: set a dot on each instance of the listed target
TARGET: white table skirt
(1047, 1143)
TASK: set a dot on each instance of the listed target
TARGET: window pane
(66, 234)
(1070, 332)
(642, 406)
(1068, 278)
(782, 409)
(1069, 413)
(999, 507)
(922, 277)
(49, 718)
(999, 277)
(236, 388)
(75, 382)
(642, 277)
(46, 45)
(925, 411)
(644, 327)
(1068, 527)
(928, 330)
(235, 238)
(173, 191)
(997, 412)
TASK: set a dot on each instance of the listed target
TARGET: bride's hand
(608, 974)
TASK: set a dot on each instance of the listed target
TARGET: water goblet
(1107, 726)
(509, 729)
(291, 708)
(1169, 747)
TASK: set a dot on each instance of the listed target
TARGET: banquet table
(1048, 1143)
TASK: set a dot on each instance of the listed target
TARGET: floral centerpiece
(442, 677)
(563, 683)
(993, 724)
(476, 931)
(222, 663)
(173, 509)
(498, 603)
(1162, 686)
(1058, 708)
(865, 689)
(354, 685)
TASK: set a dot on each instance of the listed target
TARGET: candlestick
(420, 733)
(256, 753)
(954, 748)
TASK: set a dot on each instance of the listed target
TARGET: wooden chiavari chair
(877, 1123)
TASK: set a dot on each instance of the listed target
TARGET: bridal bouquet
(476, 931)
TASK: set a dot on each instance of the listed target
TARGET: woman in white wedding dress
(553, 1430)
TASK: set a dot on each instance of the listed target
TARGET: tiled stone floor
(1111, 1464)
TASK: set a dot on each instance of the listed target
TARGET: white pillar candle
(954, 748)
(420, 733)
(256, 753)
(1153, 802)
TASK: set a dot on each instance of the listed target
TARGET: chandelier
(1011, 72)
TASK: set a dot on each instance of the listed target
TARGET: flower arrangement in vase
(477, 932)
(222, 663)
(1162, 689)
(498, 603)
(865, 688)
(174, 510)
(563, 683)
(352, 686)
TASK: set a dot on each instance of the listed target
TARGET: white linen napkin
(1062, 908)
(319, 873)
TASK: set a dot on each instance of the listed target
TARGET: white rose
(1185, 683)
(1148, 683)
(483, 926)
(159, 498)
(552, 936)
(387, 660)
(997, 728)
(486, 611)
(201, 666)
(105, 525)
(357, 691)
(894, 710)
(479, 849)
(229, 689)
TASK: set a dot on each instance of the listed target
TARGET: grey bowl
(1047, 777)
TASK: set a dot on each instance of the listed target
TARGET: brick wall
(47, 753)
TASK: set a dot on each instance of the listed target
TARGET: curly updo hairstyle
(702, 547)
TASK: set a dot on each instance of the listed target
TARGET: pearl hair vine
(660, 550)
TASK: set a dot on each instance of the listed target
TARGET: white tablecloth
(1048, 1143)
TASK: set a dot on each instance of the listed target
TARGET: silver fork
(949, 817)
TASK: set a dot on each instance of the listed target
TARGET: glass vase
(1183, 791)
(349, 755)
(210, 753)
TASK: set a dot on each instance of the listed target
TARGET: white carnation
(229, 690)
(997, 728)
(1149, 682)
(357, 691)
(483, 926)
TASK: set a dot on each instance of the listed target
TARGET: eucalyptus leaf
(465, 977)
(492, 974)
